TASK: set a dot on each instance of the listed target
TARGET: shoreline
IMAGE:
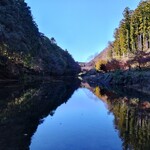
(134, 79)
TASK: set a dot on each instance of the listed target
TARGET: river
(67, 115)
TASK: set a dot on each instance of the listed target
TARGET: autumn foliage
(131, 45)
(100, 65)
(140, 60)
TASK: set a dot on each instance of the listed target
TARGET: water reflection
(80, 124)
(131, 110)
(22, 108)
(86, 123)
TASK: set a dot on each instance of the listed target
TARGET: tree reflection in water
(23, 107)
(131, 111)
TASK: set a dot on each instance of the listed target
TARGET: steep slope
(131, 45)
(102, 55)
(24, 50)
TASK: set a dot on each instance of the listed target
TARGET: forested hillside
(133, 33)
(24, 50)
(131, 45)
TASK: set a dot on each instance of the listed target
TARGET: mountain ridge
(24, 50)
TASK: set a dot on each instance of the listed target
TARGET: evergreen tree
(133, 33)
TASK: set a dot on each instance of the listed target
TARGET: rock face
(24, 50)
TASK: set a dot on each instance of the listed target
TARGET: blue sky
(83, 27)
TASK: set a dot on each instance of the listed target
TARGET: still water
(82, 123)
(62, 115)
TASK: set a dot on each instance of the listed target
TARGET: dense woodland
(131, 45)
(133, 33)
(24, 50)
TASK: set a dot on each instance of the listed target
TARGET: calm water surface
(62, 115)
(81, 123)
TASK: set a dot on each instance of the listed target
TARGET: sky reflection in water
(83, 123)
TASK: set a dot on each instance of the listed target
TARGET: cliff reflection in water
(131, 111)
(22, 108)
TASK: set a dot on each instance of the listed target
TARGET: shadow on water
(22, 108)
(131, 110)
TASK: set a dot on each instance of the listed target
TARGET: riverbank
(134, 79)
